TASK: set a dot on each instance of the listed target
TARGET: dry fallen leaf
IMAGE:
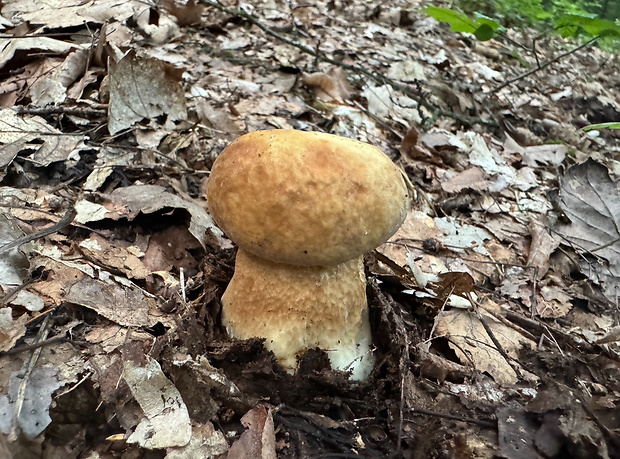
(166, 421)
(57, 14)
(330, 86)
(36, 400)
(258, 441)
(141, 88)
(591, 200)
(19, 133)
(128, 202)
(472, 344)
(543, 244)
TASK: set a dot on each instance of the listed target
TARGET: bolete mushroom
(304, 207)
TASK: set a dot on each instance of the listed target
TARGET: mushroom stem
(297, 308)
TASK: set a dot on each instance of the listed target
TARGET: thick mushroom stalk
(303, 207)
(301, 307)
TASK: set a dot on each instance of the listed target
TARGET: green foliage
(483, 27)
(538, 12)
(568, 18)
(569, 25)
(510, 12)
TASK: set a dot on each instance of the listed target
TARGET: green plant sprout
(611, 125)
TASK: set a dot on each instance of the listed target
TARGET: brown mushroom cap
(306, 198)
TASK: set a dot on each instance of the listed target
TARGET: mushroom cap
(306, 198)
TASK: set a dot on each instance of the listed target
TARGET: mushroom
(303, 208)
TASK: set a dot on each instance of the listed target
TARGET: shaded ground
(494, 309)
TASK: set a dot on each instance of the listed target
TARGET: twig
(540, 67)
(34, 346)
(497, 344)
(72, 388)
(499, 347)
(309, 426)
(60, 110)
(182, 282)
(533, 296)
(480, 422)
(574, 245)
(522, 331)
(552, 332)
(600, 247)
(64, 221)
(10, 294)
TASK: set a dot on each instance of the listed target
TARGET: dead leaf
(53, 89)
(19, 133)
(34, 414)
(126, 306)
(473, 178)
(258, 441)
(114, 257)
(142, 87)
(470, 341)
(11, 329)
(57, 14)
(543, 244)
(166, 421)
(331, 85)
(206, 443)
(187, 15)
(32, 45)
(553, 302)
(128, 202)
(454, 283)
(591, 200)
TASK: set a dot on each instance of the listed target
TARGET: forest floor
(494, 308)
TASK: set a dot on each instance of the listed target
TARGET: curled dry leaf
(542, 246)
(331, 85)
(166, 421)
(128, 202)
(258, 441)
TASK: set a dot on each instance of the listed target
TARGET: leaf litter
(494, 308)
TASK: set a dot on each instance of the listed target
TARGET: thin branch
(37, 345)
(60, 110)
(480, 422)
(540, 67)
(64, 221)
(498, 346)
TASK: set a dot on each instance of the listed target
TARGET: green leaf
(482, 19)
(458, 21)
(612, 125)
(569, 24)
(484, 32)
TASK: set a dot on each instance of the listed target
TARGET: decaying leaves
(494, 307)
